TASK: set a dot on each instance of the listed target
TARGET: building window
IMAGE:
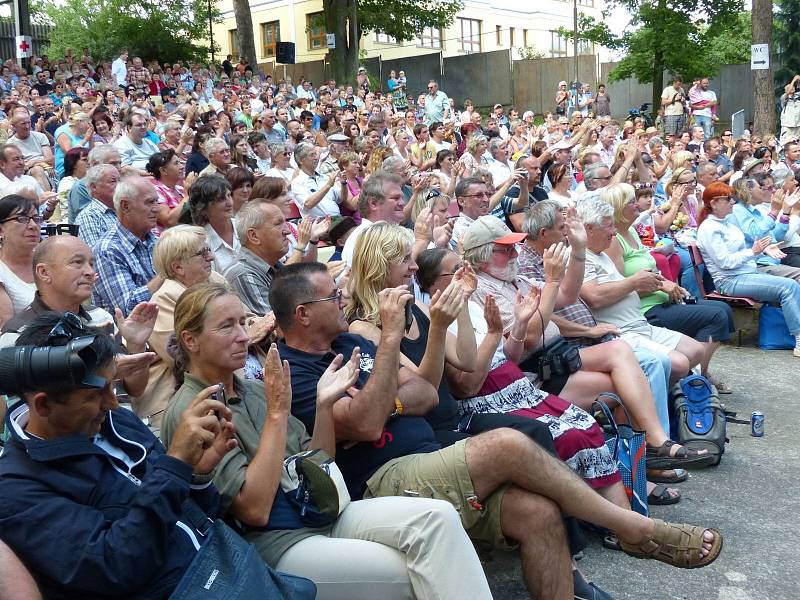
(233, 44)
(383, 38)
(585, 47)
(586, 3)
(525, 38)
(315, 26)
(558, 45)
(498, 30)
(470, 40)
(430, 37)
(270, 36)
(511, 38)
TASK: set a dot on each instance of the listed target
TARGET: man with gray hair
(597, 176)
(79, 195)
(124, 255)
(99, 216)
(318, 195)
(381, 199)
(338, 144)
(219, 157)
(499, 165)
(264, 236)
(606, 146)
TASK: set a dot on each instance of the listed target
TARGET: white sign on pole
(759, 57)
(24, 46)
(330, 40)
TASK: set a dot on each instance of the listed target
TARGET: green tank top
(636, 259)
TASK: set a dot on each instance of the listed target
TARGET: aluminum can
(757, 424)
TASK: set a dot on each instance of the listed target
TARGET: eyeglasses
(204, 251)
(25, 219)
(337, 296)
(689, 183)
(478, 195)
(63, 331)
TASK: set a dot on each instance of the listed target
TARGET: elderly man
(79, 195)
(597, 176)
(35, 146)
(338, 144)
(80, 465)
(219, 157)
(499, 165)
(381, 199)
(273, 134)
(99, 216)
(134, 148)
(138, 75)
(437, 104)
(317, 195)
(264, 236)
(124, 255)
(508, 490)
(473, 202)
(606, 145)
(63, 270)
(12, 170)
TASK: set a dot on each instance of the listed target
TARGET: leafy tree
(786, 35)
(401, 19)
(152, 29)
(672, 35)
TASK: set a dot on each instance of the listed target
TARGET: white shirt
(23, 181)
(304, 186)
(20, 292)
(500, 171)
(224, 255)
(135, 155)
(705, 112)
(119, 70)
(350, 244)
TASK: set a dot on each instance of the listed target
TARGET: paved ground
(752, 497)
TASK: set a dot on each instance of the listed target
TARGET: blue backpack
(700, 419)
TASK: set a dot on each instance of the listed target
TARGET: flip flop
(675, 544)
(662, 496)
(680, 475)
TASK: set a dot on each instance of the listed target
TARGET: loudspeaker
(285, 53)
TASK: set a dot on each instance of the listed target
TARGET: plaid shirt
(124, 266)
(531, 265)
(95, 221)
(140, 78)
(251, 278)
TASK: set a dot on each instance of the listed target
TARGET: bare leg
(537, 524)
(616, 495)
(710, 348)
(680, 366)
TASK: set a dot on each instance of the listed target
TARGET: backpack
(700, 419)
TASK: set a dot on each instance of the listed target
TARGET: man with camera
(790, 111)
(125, 509)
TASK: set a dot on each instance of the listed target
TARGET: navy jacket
(86, 524)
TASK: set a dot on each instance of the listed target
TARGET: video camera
(26, 369)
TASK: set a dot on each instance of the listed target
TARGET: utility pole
(763, 92)
(22, 24)
(575, 35)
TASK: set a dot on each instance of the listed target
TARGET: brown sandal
(678, 545)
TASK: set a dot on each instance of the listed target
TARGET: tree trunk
(336, 14)
(763, 94)
(658, 80)
(244, 31)
(354, 40)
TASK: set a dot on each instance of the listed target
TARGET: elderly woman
(219, 157)
(281, 163)
(182, 258)
(384, 548)
(732, 264)
(473, 159)
(173, 139)
(77, 132)
(708, 322)
(211, 207)
(19, 232)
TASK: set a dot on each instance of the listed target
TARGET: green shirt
(249, 408)
(637, 259)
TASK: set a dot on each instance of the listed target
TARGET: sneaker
(796, 351)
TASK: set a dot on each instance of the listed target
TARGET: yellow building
(481, 26)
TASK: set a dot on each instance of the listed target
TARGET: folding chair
(698, 267)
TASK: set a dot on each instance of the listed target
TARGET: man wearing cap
(437, 104)
(338, 144)
(502, 120)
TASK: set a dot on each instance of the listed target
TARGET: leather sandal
(678, 545)
(659, 458)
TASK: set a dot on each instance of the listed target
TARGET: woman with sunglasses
(388, 548)
(731, 261)
(19, 236)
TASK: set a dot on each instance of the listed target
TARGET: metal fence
(8, 38)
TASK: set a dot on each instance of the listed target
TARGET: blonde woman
(473, 159)
(78, 132)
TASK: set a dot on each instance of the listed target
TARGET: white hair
(592, 211)
(125, 190)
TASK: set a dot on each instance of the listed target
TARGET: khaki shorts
(443, 475)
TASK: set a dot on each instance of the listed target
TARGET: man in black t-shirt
(42, 85)
(386, 448)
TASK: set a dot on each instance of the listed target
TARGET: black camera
(32, 368)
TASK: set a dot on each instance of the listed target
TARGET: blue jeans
(657, 368)
(768, 288)
(707, 123)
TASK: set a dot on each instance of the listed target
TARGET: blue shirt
(124, 265)
(95, 221)
(402, 435)
(755, 225)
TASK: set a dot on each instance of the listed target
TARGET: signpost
(330, 40)
(759, 57)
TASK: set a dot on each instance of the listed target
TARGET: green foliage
(689, 37)
(403, 19)
(152, 29)
(530, 53)
(786, 35)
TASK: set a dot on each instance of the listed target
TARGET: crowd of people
(261, 268)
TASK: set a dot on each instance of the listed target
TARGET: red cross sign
(24, 46)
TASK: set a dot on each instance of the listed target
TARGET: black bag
(227, 567)
(554, 359)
